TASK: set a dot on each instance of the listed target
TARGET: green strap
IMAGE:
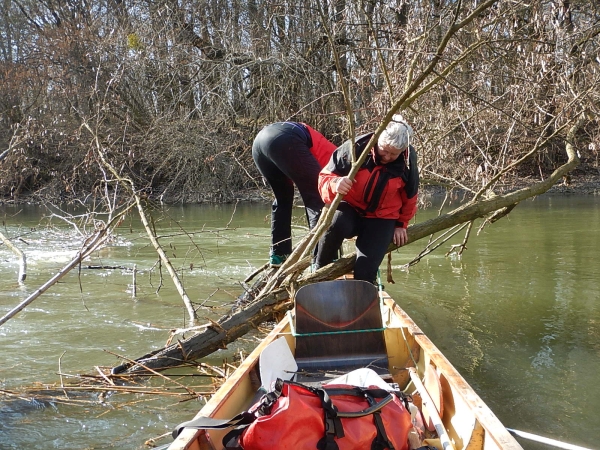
(321, 333)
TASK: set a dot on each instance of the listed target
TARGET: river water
(518, 315)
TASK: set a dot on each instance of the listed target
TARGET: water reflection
(517, 315)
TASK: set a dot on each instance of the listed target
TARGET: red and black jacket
(386, 191)
(320, 147)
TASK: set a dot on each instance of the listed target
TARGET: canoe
(460, 419)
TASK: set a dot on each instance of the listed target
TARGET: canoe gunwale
(483, 414)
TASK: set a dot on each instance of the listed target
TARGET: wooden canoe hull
(469, 423)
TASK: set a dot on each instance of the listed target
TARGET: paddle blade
(433, 386)
(276, 361)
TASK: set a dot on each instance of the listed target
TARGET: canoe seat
(338, 327)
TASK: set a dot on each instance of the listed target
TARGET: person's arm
(321, 148)
(332, 178)
(409, 196)
(407, 211)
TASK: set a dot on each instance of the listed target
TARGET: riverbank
(581, 182)
(587, 183)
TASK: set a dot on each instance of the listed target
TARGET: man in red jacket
(378, 204)
(288, 153)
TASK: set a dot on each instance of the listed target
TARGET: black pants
(373, 238)
(281, 151)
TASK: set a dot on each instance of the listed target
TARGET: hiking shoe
(277, 260)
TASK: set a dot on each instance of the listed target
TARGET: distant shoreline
(587, 183)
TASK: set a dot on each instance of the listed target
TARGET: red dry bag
(334, 417)
(338, 417)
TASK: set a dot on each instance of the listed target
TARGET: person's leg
(283, 189)
(306, 178)
(374, 237)
(281, 217)
(304, 171)
(345, 224)
(293, 157)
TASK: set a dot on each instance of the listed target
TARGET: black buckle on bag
(328, 442)
(333, 424)
(268, 400)
(381, 441)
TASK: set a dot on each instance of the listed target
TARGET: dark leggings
(373, 238)
(281, 151)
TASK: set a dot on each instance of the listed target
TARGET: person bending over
(378, 204)
(288, 153)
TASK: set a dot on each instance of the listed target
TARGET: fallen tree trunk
(230, 327)
(266, 306)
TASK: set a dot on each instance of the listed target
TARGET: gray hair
(398, 133)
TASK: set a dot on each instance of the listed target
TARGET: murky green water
(518, 315)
